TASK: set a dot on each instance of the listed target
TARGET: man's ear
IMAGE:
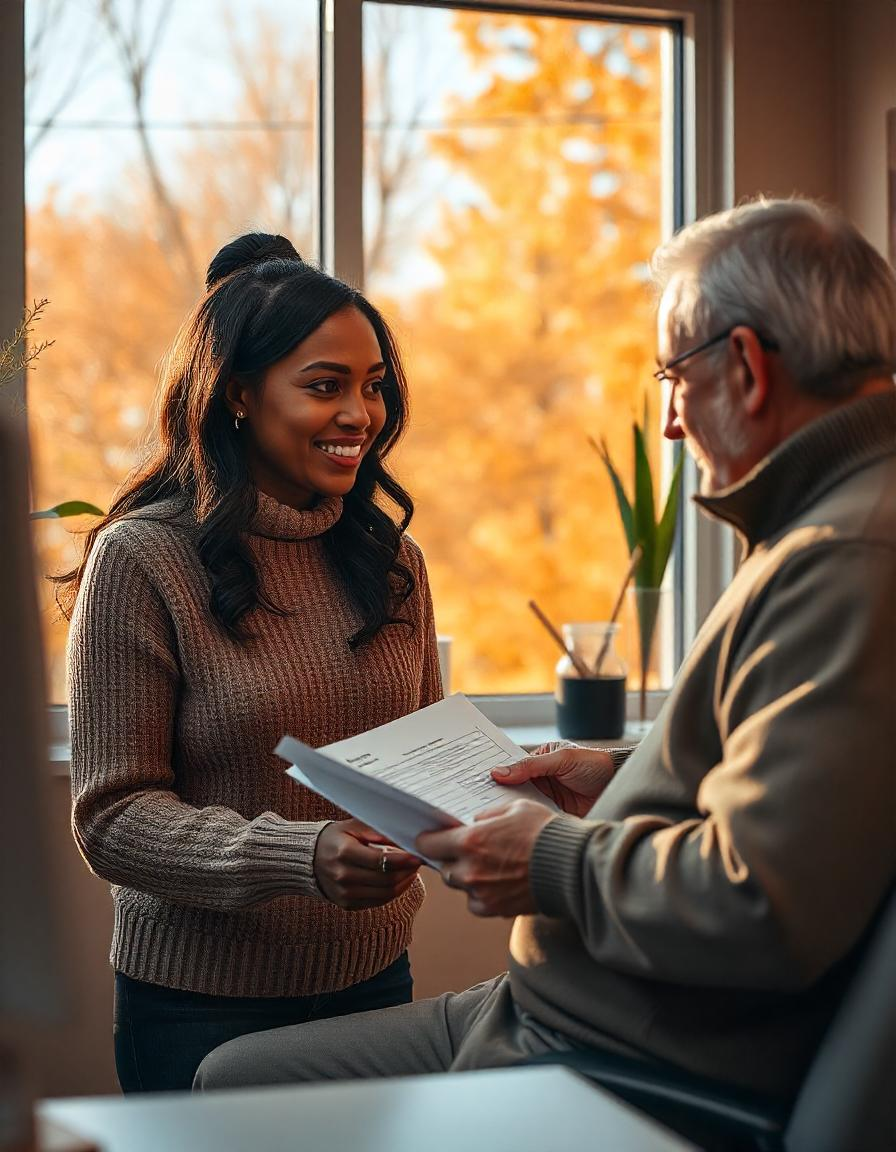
(753, 378)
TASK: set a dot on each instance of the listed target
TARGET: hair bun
(245, 251)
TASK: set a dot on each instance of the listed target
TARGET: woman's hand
(355, 869)
(572, 777)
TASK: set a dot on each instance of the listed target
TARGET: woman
(248, 583)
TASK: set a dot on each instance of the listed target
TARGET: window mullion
(342, 140)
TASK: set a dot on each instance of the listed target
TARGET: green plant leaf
(644, 511)
(68, 508)
(625, 508)
(639, 516)
(665, 533)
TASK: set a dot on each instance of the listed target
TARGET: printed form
(427, 770)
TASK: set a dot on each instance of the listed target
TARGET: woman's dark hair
(261, 301)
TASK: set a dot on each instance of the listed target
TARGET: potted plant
(654, 534)
(17, 355)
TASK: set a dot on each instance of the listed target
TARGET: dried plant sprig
(18, 353)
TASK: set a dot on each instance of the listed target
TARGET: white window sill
(530, 736)
(527, 719)
(537, 708)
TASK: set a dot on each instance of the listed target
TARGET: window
(155, 132)
(516, 170)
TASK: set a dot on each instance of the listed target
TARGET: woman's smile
(342, 451)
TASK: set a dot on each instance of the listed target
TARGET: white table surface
(535, 1109)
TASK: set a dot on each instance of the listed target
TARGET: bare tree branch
(395, 155)
(44, 19)
(263, 96)
(136, 56)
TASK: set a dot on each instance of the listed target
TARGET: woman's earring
(236, 422)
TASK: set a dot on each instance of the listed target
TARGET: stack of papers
(428, 770)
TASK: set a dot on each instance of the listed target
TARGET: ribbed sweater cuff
(281, 858)
(555, 871)
(619, 755)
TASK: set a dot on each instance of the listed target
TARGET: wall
(867, 90)
(813, 80)
(76, 1057)
(785, 97)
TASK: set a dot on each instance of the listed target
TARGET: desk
(537, 1109)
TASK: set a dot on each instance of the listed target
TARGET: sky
(192, 80)
(92, 147)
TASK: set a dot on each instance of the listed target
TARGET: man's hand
(489, 860)
(572, 777)
(354, 868)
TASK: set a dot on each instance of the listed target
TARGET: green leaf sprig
(68, 508)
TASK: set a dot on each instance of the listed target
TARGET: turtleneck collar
(807, 464)
(281, 522)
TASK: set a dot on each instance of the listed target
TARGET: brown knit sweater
(178, 798)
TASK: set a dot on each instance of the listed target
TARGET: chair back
(848, 1098)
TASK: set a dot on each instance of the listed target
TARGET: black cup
(592, 708)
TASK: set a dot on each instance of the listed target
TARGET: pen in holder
(590, 676)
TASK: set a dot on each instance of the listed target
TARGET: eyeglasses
(661, 373)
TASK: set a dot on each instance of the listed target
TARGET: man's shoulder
(861, 508)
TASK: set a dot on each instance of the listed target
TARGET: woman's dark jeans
(163, 1034)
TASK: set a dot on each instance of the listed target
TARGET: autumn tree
(539, 332)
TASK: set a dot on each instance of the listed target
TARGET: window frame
(703, 182)
(704, 179)
(12, 186)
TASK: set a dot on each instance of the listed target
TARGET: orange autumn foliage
(539, 332)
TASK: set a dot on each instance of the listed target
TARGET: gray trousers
(479, 1028)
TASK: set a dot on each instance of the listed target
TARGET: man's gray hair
(798, 273)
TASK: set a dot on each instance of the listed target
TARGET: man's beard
(720, 427)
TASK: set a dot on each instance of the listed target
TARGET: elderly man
(703, 905)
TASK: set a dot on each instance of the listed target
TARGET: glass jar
(591, 707)
(650, 631)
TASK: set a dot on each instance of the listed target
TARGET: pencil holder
(592, 707)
